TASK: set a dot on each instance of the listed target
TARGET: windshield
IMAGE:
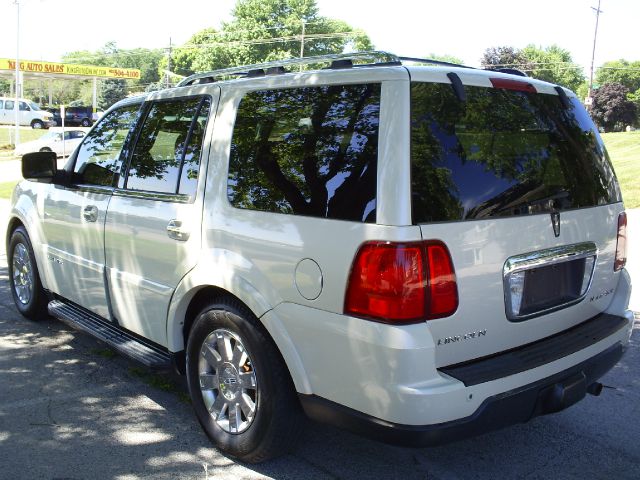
(503, 153)
(34, 106)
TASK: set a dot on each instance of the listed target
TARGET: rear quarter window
(503, 153)
(307, 151)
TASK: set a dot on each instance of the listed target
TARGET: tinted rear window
(503, 153)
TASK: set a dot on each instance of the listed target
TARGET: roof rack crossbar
(376, 56)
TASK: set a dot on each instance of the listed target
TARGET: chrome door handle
(90, 213)
(175, 231)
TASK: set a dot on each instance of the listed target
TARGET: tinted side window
(9, 105)
(157, 158)
(307, 151)
(193, 151)
(99, 153)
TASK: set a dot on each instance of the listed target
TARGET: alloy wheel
(228, 381)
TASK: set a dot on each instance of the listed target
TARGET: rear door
(152, 234)
(518, 185)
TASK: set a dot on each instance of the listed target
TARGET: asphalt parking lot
(71, 409)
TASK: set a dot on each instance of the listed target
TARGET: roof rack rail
(433, 62)
(377, 57)
(510, 71)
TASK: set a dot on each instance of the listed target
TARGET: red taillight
(509, 84)
(621, 245)
(443, 291)
(402, 282)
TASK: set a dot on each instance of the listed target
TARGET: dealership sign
(28, 66)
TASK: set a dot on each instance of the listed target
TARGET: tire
(229, 384)
(45, 149)
(28, 295)
(85, 122)
(37, 124)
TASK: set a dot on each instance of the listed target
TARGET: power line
(267, 41)
(192, 46)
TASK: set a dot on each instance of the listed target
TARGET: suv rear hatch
(514, 178)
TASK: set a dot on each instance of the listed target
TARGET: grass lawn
(6, 139)
(624, 150)
(6, 189)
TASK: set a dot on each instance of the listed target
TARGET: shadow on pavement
(70, 408)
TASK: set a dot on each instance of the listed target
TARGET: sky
(463, 28)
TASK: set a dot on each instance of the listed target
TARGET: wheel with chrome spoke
(28, 295)
(240, 387)
(22, 274)
(228, 381)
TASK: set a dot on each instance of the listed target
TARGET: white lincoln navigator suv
(416, 253)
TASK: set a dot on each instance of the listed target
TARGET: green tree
(582, 91)
(611, 109)
(183, 58)
(4, 87)
(503, 57)
(635, 98)
(265, 30)
(112, 91)
(554, 65)
(620, 71)
(551, 64)
(445, 58)
(143, 59)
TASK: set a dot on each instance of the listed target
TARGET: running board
(115, 337)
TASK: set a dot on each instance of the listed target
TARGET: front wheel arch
(24, 276)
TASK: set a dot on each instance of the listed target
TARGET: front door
(152, 232)
(74, 216)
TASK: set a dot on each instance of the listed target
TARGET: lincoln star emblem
(555, 222)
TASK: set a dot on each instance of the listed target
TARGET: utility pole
(302, 40)
(593, 56)
(17, 89)
(168, 80)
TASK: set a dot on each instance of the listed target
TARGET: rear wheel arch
(203, 297)
(191, 305)
(196, 300)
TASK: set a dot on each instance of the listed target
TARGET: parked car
(52, 142)
(29, 113)
(416, 253)
(74, 116)
(97, 116)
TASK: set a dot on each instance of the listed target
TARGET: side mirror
(40, 166)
